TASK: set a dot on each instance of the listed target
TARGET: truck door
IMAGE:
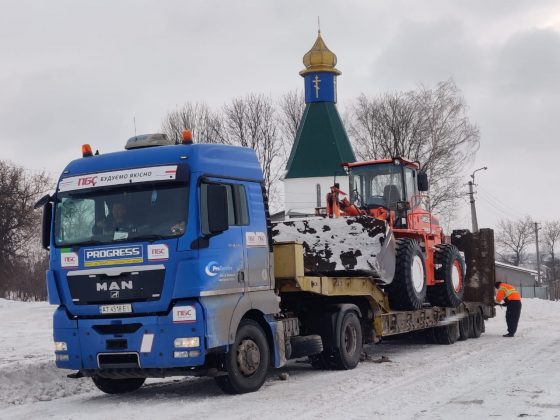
(222, 262)
(256, 239)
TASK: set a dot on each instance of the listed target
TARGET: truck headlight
(60, 346)
(62, 357)
(187, 342)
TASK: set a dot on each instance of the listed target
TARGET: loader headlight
(60, 346)
(187, 342)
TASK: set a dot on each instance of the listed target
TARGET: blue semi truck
(162, 264)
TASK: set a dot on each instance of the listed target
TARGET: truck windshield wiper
(85, 243)
(150, 237)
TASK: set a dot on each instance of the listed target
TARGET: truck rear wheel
(342, 346)
(451, 271)
(247, 360)
(408, 289)
(117, 386)
(348, 355)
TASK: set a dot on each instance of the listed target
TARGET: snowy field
(489, 377)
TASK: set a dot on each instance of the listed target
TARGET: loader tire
(451, 272)
(117, 386)
(408, 289)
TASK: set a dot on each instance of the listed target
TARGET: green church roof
(321, 143)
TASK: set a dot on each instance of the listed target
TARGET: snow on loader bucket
(345, 246)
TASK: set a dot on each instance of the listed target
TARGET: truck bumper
(140, 342)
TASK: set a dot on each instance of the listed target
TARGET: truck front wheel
(247, 360)
(117, 386)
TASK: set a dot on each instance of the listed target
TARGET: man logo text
(114, 285)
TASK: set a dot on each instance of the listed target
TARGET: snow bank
(479, 378)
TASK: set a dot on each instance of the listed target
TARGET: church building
(321, 144)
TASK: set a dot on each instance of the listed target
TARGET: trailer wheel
(446, 334)
(350, 335)
(452, 271)
(477, 324)
(408, 289)
(464, 328)
(117, 386)
(247, 360)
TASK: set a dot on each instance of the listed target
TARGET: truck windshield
(376, 185)
(121, 214)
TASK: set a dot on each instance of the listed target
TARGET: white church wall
(300, 194)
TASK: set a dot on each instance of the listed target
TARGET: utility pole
(473, 209)
(538, 256)
(471, 195)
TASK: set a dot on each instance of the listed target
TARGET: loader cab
(386, 183)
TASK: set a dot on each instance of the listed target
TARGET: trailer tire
(451, 271)
(408, 289)
(307, 345)
(247, 360)
(464, 328)
(446, 334)
(477, 324)
(117, 386)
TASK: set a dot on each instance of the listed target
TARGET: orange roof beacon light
(187, 137)
(86, 150)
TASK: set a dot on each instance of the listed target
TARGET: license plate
(116, 309)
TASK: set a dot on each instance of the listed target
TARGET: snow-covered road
(490, 377)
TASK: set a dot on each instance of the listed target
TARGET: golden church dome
(319, 58)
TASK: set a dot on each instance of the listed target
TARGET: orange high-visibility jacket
(508, 292)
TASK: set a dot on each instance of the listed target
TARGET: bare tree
(205, 125)
(550, 239)
(513, 238)
(19, 223)
(291, 109)
(252, 122)
(427, 125)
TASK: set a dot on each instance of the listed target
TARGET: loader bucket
(478, 249)
(345, 246)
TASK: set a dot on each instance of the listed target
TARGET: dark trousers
(513, 312)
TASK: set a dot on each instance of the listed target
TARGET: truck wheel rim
(248, 357)
(456, 276)
(417, 274)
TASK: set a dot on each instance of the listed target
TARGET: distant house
(516, 276)
(523, 279)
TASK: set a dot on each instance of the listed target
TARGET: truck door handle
(240, 276)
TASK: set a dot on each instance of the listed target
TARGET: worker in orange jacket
(512, 301)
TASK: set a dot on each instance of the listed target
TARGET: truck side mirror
(46, 225)
(422, 178)
(217, 208)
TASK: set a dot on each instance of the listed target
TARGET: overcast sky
(74, 72)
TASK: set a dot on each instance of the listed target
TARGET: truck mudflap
(175, 340)
(345, 246)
